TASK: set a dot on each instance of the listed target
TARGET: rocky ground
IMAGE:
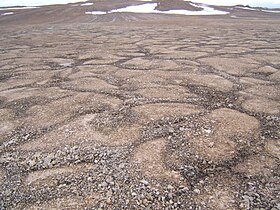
(139, 111)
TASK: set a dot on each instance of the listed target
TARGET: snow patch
(17, 8)
(272, 11)
(7, 13)
(87, 4)
(247, 8)
(151, 8)
(95, 13)
(142, 8)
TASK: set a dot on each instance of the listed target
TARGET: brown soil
(149, 158)
(139, 111)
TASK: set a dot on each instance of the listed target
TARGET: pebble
(122, 166)
(144, 182)
(109, 179)
(211, 144)
(31, 163)
(197, 191)
(171, 130)
(170, 196)
(133, 194)
(104, 184)
(48, 160)
(109, 201)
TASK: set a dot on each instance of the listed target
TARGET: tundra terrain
(139, 111)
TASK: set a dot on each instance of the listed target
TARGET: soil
(139, 111)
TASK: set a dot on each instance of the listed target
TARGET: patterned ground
(140, 115)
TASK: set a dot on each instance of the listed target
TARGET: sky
(11, 3)
(253, 3)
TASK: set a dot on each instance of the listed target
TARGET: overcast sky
(253, 3)
(8, 3)
(261, 3)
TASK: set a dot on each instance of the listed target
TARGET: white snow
(66, 64)
(151, 8)
(272, 11)
(194, 5)
(247, 8)
(87, 4)
(95, 13)
(17, 8)
(7, 13)
(142, 8)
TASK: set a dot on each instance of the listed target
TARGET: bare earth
(139, 111)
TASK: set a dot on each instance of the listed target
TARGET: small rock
(48, 160)
(170, 196)
(66, 64)
(201, 182)
(31, 163)
(211, 144)
(109, 201)
(121, 166)
(169, 187)
(104, 184)
(208, 131)
(149, 197)
(171, 130)
(197, 191)
(133, 194)
(144, 182)
(109, 193)
(109, 179)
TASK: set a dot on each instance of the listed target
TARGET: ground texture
(130, 111)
